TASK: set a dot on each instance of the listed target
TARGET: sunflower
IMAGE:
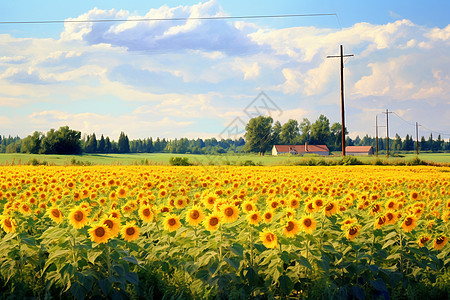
(130, 231)
(380, 222)
(352, 232)
(122, 193)
(113, 225)
(348, 222)
(307, 224)
(318, 203)
(146, 213)
(172, 222)
(55, 214)
(269, 239)
(78, 217)
(268, 215)
(210, 201)
(99, 233)
(180, 203)
(309, 208)
(212, 222)
(292, 228)
(294, 203)
(423, 240)
(254, 218)
(440, 242)
(230, 213)
(8, 224)
(114, 213)
(409, 223)
(248, 206)
(330, 209)
(391, 218)
(194, 216)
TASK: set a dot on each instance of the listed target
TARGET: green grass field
(163, 158)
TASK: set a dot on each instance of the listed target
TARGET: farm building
(301, 149)
(359, 150)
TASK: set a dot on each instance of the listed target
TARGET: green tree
(305, 129)
(336, 136)
(320, 131)
(258, 134)
(108, 145)
(290, 133)
(276, 131)
(61, 141)
(123, 145)
(32, 143)
(101, 145)
(91, 144)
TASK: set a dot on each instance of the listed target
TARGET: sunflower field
(152, 232)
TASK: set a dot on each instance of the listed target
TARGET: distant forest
(68, 141)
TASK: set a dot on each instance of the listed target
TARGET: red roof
(301, 148)
(364, 149)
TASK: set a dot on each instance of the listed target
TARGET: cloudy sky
(195, 78)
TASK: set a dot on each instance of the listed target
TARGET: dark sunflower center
(130, 231)
(55, 213)
(269, 237)
(319, 203)
(389, 216)
(440, 240)
(424, 240)
(109, 223)
(408, 221)
(7, 223)
(229, 212)
(380, 221)
(290, 226)
(172, 222)
(100, 232)
(194, 214)
(78, 216)
(213, 221)
(146, 212)
(329, 207)
(307, 222)
(249, 207)
(268, 216)
(353, 231)
(254, 217)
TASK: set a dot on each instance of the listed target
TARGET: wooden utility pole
(341, 56)
(387, 131)
(376, 134)
(417, 138)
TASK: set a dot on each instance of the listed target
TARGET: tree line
(261, 133)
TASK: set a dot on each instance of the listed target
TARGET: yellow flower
(194, 216)
(330, 209)
(8, 224)
(254, 218)
(423, 240)
(55, 214)
(352, 232)
(172, 223)
(212, 222)
(248, 206)
(269, 239)
(409, 223)
(146, 213)
(130, 231)
(113, 225)
(230, 213)
(99, 233)
(268, 215)
(78, 217)
(292, 228)
(440, 242)
(308, 224)
(380, 222)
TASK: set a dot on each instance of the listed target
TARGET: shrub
(350, 161)
(179, 161)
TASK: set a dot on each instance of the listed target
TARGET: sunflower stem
(251, 244)
(372, 249)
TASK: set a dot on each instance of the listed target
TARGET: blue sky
(195, 78)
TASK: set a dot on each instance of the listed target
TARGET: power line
(172, 19)
(431, 130)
